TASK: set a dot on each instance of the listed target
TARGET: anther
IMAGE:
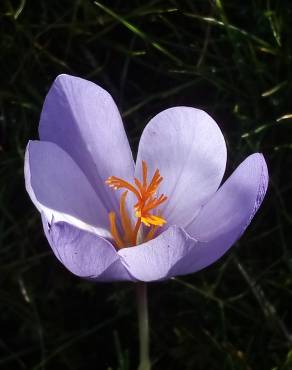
(146, 202)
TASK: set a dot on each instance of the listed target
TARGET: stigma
(145, 209)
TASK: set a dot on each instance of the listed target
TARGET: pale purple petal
(60, 190)
(85, 254)
(83, 119)
(235, 203)
(226, 216)
(188, 148)
(155, 259)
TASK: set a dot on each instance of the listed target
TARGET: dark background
(230, 58)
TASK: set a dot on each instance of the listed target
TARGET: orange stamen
(114, 230)
(153, 203)
(135, 232)
(146, 202)
(125, 220)
(152, 220)
(151, 233)
(139, 185)
(117, 183)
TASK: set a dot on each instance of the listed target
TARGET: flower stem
(145, 363)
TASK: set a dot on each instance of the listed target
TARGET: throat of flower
(146, 203)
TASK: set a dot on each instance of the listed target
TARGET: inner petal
(188, 147)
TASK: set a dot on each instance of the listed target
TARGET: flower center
(147, 202)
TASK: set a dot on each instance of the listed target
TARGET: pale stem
(143, 326)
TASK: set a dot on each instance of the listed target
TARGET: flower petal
(83, 119)
(226, 216)
(85, 254)
(218, 226)
(188, 148)
(155, 259)
(235, 203)
(60, 190)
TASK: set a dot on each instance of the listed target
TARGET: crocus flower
(108, 218)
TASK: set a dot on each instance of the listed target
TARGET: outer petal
(60, 190)
(85, 254)
(226, 216)
(83, 119)
(155, 259)
(188, 148)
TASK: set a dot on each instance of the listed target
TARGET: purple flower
(169, 202)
